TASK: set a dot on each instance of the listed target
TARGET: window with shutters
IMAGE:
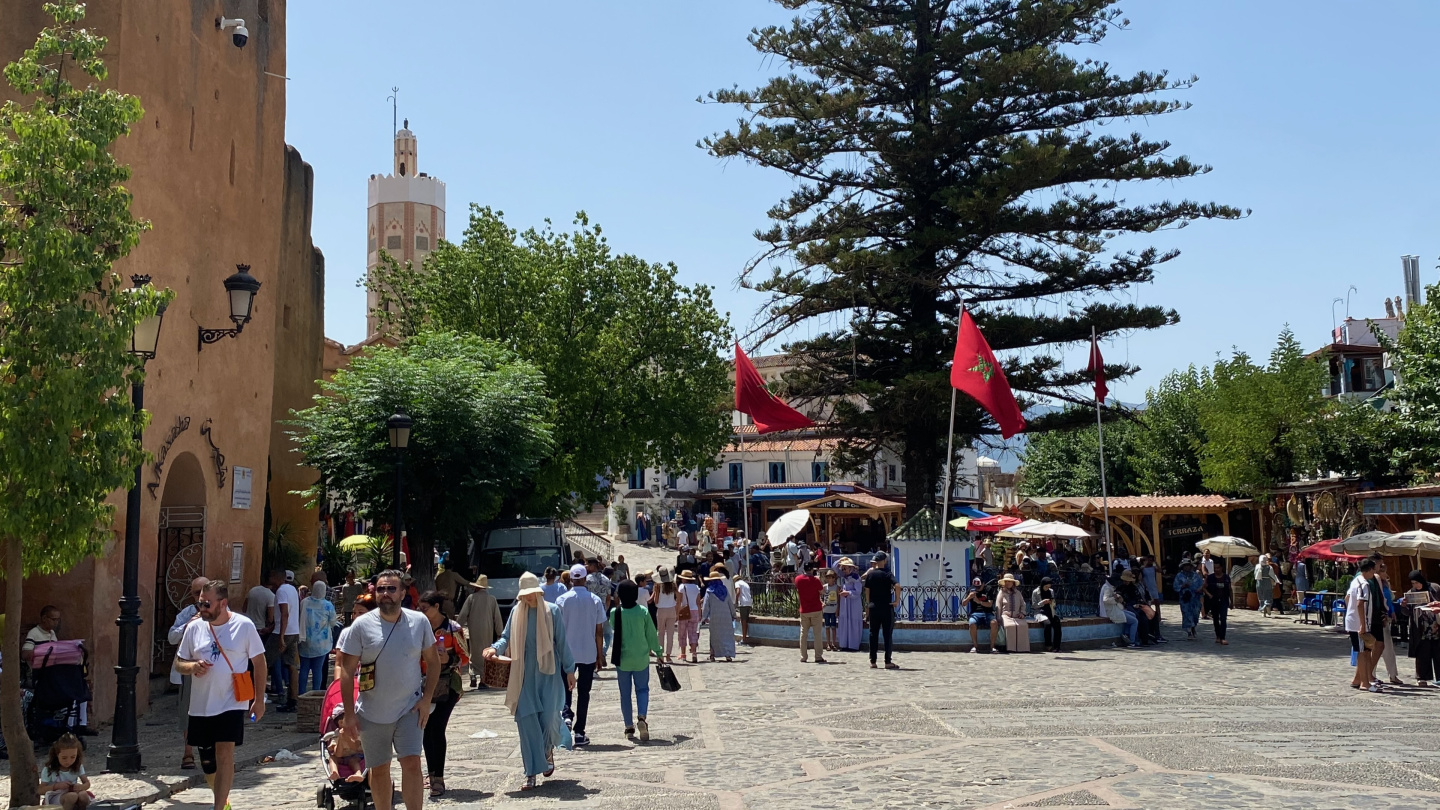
(392, 242)
(777, 472)
(819, 471)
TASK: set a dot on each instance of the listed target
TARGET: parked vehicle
(506, 550)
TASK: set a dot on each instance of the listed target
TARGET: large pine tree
(947, 151)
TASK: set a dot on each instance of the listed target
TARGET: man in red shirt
(808, 586)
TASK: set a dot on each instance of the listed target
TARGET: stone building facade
(215, 178)
(405, 217)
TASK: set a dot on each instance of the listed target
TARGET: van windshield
(517, 537)
(507, 563)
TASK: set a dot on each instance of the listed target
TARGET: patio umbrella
(1054, 528)
(356, 542)
(1414, 543)
(1020, 529)
(1361, 544)
(1324, 550)
(998, 523)
(1226, 546)
(787, 526)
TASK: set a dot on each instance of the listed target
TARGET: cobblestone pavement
(1268, 721)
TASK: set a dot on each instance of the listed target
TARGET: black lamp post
(399, 426)
(124, 754)
(241, 287)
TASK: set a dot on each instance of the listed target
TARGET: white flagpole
(1104, 495)
(949, 460)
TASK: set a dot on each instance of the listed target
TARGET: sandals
(437, 787)
(550, 758)
(188, 763)
(889, 665)
(529, 783)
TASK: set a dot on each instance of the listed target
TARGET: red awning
(998, 523)
(1322, 551)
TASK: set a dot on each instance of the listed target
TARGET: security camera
(241, 34)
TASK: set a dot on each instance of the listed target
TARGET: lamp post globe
(242, 288)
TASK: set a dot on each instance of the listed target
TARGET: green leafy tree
(1357, 439)
(1415, 358)
(1066, 463)
(1167, 447)
(68, 433)
(947, 152)
(480, 434)
(632, 359)
(1262, 423)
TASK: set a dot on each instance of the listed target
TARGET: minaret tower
(406, 215)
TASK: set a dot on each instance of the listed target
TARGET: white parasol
(1416, 543)
(787, 526)
(1227, 546)
(1056, 529)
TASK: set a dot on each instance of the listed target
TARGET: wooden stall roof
(1166, 504)
(1055, 505)
(853, 503)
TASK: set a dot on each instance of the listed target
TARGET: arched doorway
(180, 553)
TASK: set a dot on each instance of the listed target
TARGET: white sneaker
(643, 728)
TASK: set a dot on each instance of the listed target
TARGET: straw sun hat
(529, 583)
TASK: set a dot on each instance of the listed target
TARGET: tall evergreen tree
(949, 151)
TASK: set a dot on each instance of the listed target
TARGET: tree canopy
(1066, 463)
(947, 152)
(632, 359)
(481, 435)
(1415, 358)
(68, 432)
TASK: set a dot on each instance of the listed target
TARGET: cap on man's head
(880, 557)
(578, 572)
(289, 576)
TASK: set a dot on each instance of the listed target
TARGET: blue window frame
(637, 478)
(819, 471)
(777, 472)
(737, 475)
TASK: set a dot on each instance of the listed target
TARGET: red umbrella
(1321, 551)
(998, 523)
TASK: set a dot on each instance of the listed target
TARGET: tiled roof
(1403, 492)
(872, 500)
(782, 445)
(1162, 502)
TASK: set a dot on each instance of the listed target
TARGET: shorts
(272, 647)
(384, 741)
(832, 620)
(982, 618)
(744, 613)
(225, 727)
(291, 654)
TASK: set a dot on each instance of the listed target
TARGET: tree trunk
(24, 776)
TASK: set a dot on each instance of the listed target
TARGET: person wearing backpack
(635, 640)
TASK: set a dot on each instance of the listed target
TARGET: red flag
(1097, 367)
(977, 373)
(753, 398)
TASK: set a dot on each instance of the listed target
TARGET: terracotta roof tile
(1403, 492)
(1161, 502)
(782, 445)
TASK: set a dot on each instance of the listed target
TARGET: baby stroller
(59, 670)
(338, 792)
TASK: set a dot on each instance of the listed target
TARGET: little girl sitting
(347, 758)
(62, 779)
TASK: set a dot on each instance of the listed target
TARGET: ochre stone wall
(213, 175)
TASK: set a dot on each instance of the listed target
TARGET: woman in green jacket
(635, 640)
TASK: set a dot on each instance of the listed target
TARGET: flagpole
(1104, 495)
(949, 460)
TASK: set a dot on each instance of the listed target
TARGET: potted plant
(1252, 599)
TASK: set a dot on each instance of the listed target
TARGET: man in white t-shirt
(386, 648)
(212, 652)
(792, 556)
(47, 630)
(287, 632)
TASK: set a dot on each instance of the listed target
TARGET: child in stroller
(342, 757)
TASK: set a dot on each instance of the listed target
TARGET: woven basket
(497, 673)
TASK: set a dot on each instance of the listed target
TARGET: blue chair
(1314, 603)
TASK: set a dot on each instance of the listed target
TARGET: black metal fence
(929, 601)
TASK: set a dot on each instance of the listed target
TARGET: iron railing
(927, 602)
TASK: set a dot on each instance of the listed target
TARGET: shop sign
(838, 504)
(1180, 532)
(1402, 506)
(240, 487)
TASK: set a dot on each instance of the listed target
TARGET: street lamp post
(124, 754)
(399, 426)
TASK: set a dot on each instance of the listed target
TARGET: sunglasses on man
(206, 603)
(387, 588)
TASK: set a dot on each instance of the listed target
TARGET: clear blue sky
(1316, 115)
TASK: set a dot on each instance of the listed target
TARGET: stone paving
(1268, 721)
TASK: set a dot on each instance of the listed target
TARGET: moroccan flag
(1097, 367)
(977, 373)
(753, 398)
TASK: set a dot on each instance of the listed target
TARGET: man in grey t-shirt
(385, 647)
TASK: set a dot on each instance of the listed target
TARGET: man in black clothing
(882, 593)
